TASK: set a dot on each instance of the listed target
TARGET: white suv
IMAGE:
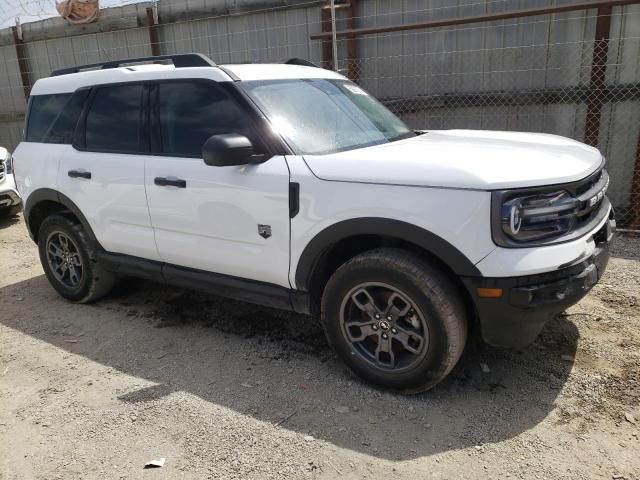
(289, 186)
(10, 202)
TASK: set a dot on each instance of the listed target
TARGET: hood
(3, 153)
(470, 159)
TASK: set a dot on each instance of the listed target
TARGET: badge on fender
(264, 230)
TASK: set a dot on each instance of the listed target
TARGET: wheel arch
(343, 240)
(46, 201)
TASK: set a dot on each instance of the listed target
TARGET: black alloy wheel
(384, 326)
(64, 259)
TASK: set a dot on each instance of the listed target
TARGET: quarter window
(190, 112)
(64, 126)
(43, 112)
(114, 120)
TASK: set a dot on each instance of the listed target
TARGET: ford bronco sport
(287, 185)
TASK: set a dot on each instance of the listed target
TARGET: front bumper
(528, 302)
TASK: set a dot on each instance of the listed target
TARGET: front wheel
(395, 320)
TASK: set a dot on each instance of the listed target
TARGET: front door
(226, 220)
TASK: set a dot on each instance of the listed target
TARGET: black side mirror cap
(228, 149)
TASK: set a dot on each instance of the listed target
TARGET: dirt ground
(227, 390)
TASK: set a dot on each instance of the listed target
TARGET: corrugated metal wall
(259, 37)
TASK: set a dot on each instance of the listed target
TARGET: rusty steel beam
(23, 65)
(511, 98)
(154, 41)
(528, 12)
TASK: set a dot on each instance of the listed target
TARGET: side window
(65, 125)
(43, 112)
(114, 120)
(190, 112)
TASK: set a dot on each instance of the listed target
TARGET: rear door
(227, 220)
(103, 173)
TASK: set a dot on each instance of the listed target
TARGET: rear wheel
(69, 260)
(396, 321)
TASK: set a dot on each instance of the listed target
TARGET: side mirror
(227, 150)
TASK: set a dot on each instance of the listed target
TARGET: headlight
(540, 216)
(545, 215)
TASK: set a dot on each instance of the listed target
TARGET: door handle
(79, 174)
(170, 182)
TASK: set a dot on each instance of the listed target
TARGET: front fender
(420, 237)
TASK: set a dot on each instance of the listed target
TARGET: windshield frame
(247, 89)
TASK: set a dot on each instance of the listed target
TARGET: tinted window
(191, 112)
(63, 128)
(43, 112)
(114, 119)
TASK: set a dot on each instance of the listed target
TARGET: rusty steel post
(23, 65)
(153, 32)
(327, 49)
(353, 71)
(598, 76)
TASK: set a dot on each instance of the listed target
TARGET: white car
(10, 201)
(288, 185)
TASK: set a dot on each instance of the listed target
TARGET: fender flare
(48, 194)
(387, 227)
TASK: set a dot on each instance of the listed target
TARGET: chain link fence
(555, 75)
(575, 74)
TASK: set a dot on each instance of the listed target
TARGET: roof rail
(179, 61)
(301, 61)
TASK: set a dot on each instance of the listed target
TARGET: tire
(92, 281)
(427, 330)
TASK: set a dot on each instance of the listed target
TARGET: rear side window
(190, 112)
(114, 120)
(44, 110)
(65, 125)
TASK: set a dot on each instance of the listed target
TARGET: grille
(589, 183)
(592, 188)
(2, 170)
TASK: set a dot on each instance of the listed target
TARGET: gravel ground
(228, 390)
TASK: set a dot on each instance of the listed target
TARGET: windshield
(318, 116)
